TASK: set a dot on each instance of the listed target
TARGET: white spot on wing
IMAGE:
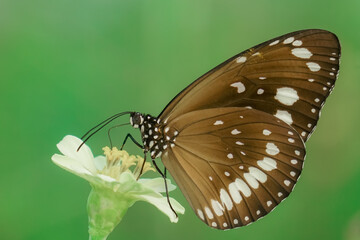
(297, 43)
(268, 203)
(272, 149)
(235, 132)
(217, 207)
(294, 161)
(287, 96)
(239, 143)
(251, 180)
(260, 91)
(287, 182)
(266, 132)
(268, 164)
(301, 53)
(314, 67)
(225, 198)
(289, 40)
(200, 214)
(234, 192)
(258, 174)
(285, 116)
(262, 78)
(243, 187)
(230, 156)
(241, 59)
(240, 86)
(208, 212)
(218, 122)
(274, 43)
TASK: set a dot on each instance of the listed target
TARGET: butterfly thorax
(156, 136)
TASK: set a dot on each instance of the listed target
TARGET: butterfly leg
(142, 166)
(166, 187)
(134, 141)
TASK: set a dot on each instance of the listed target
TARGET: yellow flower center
(119, 161)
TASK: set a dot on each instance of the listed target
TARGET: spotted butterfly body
(233, 140)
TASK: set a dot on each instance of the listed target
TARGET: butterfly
(233, 140)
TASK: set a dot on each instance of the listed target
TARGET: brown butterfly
(233, 140)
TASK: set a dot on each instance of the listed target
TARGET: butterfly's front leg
(142, 166)
(166, 187)
(132, 139)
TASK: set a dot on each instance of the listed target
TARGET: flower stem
(105, 209)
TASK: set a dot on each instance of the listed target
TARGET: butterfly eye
(136, 119)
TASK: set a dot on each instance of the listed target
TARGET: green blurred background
(66, 65)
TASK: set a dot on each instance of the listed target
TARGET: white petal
(106, 178)
(162, 204)
(69, 145)
(139, 191)
(100, 162)
(70, 165)
(157, 184)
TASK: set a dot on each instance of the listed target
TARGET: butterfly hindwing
(289, 77)
(234, 165)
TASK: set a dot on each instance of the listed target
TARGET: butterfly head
(136, 119)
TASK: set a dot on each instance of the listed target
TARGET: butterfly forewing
(288, 77)
(234, 165)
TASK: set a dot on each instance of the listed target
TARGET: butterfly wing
(289, 77)
(234, 165)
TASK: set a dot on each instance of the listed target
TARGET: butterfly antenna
(99, 126)
(108, 119)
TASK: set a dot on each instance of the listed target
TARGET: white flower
(114, 185)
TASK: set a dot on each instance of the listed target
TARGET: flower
(115, 187)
